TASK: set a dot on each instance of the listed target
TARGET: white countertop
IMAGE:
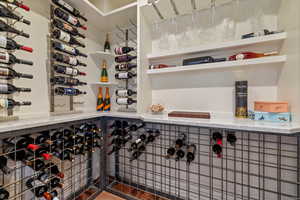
(235, 124)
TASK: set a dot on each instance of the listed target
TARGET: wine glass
(184, 32)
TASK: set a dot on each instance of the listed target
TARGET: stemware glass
(184, 32)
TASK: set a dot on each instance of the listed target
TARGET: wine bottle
(8, 58)
(66, 37)
(251, 55)
(19, 142)
(55, 182)
(152, 136)
(53, 195)
(125, 58)
(180, 141)
(3, 165)
(5, 12)
(4, 194)
(67, 28)
(9, 73)
(15, 155)
(218, 138)
(67, 49)
(68, 70)
(68, 18)
(17, 3)
(39, 151)
(135, 145)
(217, 149)
(123, 50)
(134, 127)
(10, 44)
(61, 80)
(171, 152)
(51, 168)
(100, 102)
(179, 154)
(104, 74)
(125, 93)
(42, 137)
(125, 101)
(67, 91)
(63, 154)
(231, 138)
(191, 150)
(36, 165)
(69, 8)
(10, 103)
(117, 124)
(107, 105)
(135, 155)
(124, 75)
(67, 60)
(6, 88)
(260, 33)
(107, 44)
(6, 28)
(37, 187)
(125, 66)
(114, 149)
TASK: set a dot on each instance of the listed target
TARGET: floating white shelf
(100, 55)
(220, 65)
(104, 84)
(269, 39)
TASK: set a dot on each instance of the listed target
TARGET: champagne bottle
(67, 49)
(69, 8)
(125, 66)
(123, 50)
(16, 3)
(61, 80)
(68, 70)
(250, 55)
(10, 103)
(68, 91)
(4, 194)
(125, 58)
(104, 74)
(125, 93)
(107, 44)
(125, 101)
(6, 28)
(107, 105)
(10, 44)
(100, 102)
(5, 12)
(124, 75)
(3, 165)
(67, 59)
(6, 88)
(8, 74)
(190, 156)
(68, 18)
(8, 58)
(66, 37)
(67, 28)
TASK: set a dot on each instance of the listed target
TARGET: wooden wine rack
(59, 105)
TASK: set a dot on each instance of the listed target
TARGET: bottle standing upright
(100, 102)
(107, 100)
(104, 74)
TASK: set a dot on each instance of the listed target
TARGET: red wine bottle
(10, 44)
(8, 74)
(5, 12)
(10, 103)
(67, 28)
(66, 37)
(68, 70)
(69, 8)
(61, 80)
(125, 93)
(8, 58)
(16, 3)
(68, 91)
(124, 75)
(123, 50)
(124, 58)
(67, 49)
(218, 138)
(67, 59)
(6, 28)
(6, 88)
(68, 18)
(3, 165)
(4, 194)
(125, 101)
(125, 66)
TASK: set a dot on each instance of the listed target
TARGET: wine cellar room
(149, 99)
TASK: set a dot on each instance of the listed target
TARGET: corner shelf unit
(102, 55)
(103, 84)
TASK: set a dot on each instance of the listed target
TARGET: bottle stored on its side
(250, 55)
(7, 28)
(10, 44)
(67, 49)
(67, 60)
(191, 150)
(36, 165)
(125, 101)
(6, 88)
(68, 70)
(5, 12)
(179, 154)
(135, 155)
(53, 169)
(124, 75)
(125, 93)
(125, 66)
(66, 37)
(37, 187)
(202, 60)
(16, 3)
(61, 80)
(123, 50)
(3, 165)
(67, 28)
(125, 58)
(260, 33)
(218, 138)
(9, 73)
(171, 152)
(180, 141)
(10, 103)
(8, 58)
(4, 194)
(69, 8)
(68, 18)
(68, 91)
(231, 138)
(134, 145)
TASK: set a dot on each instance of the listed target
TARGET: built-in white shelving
(264, 61)
(103, 83)
(100, 55)
(274, 39)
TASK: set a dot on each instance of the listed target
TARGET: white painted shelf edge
(219, 65)
(102, 53)
(224, 45)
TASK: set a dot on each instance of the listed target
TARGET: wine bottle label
(3, 103)
(4, 57)
(123, 75)
(3, 42)
(68, 27)
(3, 88)
(122, 93)
(4, 72)
(64, 36)
(67, 6)
(68, 49)
(240, 56)
(72, 20)
(72, 61)
(122, 101)
(123, 67)
(71, 71)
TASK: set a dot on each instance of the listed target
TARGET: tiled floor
(108, 196)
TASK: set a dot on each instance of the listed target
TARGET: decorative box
(275, 107)
(271, 117)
